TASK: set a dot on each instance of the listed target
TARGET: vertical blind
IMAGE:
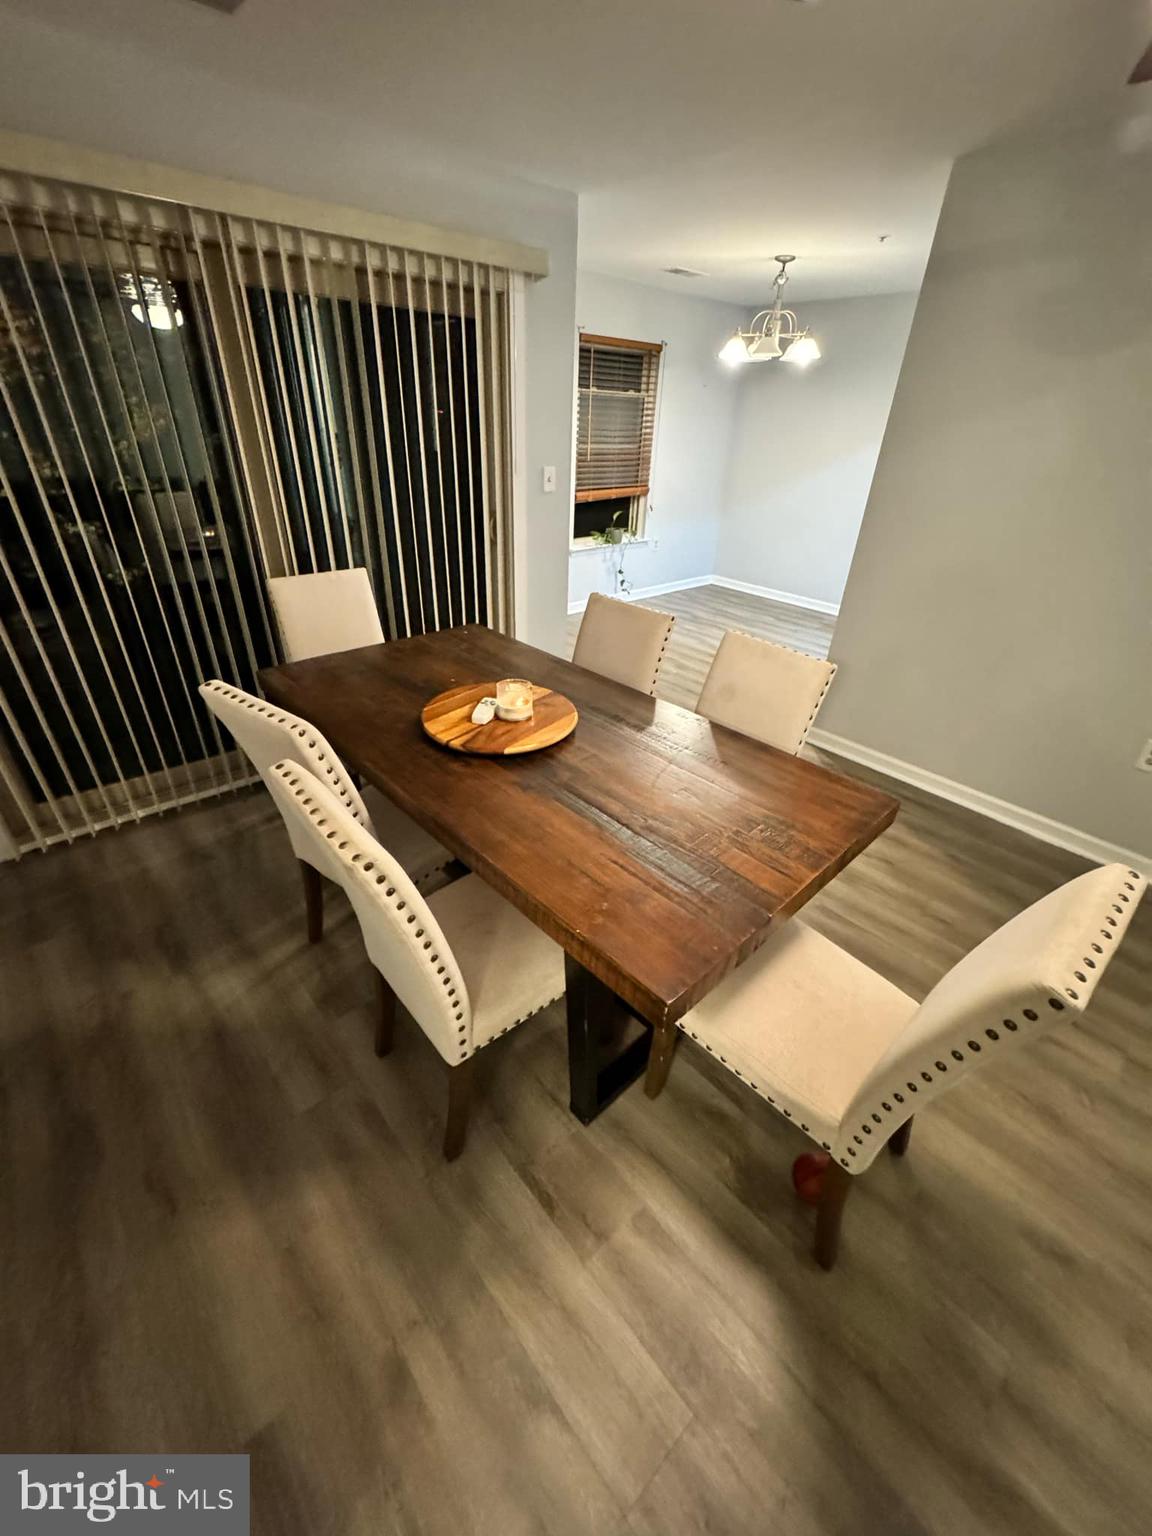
(190, 402)
(615, 416)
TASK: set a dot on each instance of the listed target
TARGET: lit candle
(514, 699)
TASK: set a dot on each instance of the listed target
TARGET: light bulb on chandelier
(804, 350)
(734, 351)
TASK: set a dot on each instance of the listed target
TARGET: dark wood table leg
(597, 1021)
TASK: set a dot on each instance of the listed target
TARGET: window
(615, 423)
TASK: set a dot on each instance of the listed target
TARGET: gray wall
(697, 409)
(117, 99)
(997, 623)
(805, 446)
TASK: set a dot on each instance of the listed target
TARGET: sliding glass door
(417, 414)
(126, 569)
(191, 402)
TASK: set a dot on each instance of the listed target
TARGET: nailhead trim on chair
(884, 1107)
(1055, 1003)
(334, 772)
(365, 866)
(522, 1019)
(334, 775)
(663, 648)
(816, 707)
(835, 665)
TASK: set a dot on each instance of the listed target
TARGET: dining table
(659, 850)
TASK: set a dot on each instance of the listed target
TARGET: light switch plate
(549, 477)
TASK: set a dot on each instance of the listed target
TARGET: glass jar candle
(514, 698)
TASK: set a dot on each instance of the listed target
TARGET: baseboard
(1017, 816)
(792, 599)
(657, 591)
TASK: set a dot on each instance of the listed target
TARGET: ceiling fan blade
(1143, 70)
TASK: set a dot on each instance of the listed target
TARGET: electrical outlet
(1144, 761)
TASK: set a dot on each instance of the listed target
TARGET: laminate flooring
(226, 1224)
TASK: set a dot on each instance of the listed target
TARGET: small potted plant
(615, 531)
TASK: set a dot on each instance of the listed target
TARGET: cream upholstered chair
(765, 690)
(848, 1057)
(325, 612)
(266, 734)
(465, 963)
(623, 641)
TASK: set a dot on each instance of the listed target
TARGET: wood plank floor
(227, 1226)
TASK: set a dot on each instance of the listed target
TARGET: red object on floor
(808, 1175)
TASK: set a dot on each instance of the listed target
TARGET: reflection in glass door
(128, 574)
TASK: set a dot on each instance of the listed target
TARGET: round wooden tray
(448, 719)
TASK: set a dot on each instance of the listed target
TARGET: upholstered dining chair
(325, 612)
(848, 1057)
(266, 734)
(623, 641)
(765, 690)
(466, 964)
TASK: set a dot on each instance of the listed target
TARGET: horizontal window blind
(190, 402)
(617, 384)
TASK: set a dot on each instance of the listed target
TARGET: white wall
(116, 98)
(723, 501)
(692, 447)
(997, 623)
(805, 446)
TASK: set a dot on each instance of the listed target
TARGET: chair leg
(385, 1016)
(459, 1099)
(660, 1055)
(313, 901)
(899, 1139)
(837, 1184)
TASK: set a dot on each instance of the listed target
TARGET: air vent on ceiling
(685, 272)
(220, 5)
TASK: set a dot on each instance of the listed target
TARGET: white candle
(514, 699)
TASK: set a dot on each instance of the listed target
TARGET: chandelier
(774, 333)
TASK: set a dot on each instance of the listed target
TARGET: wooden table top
(660, 850)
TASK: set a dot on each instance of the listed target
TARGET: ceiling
(700, 133)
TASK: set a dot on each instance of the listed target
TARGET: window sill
(578, 546)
